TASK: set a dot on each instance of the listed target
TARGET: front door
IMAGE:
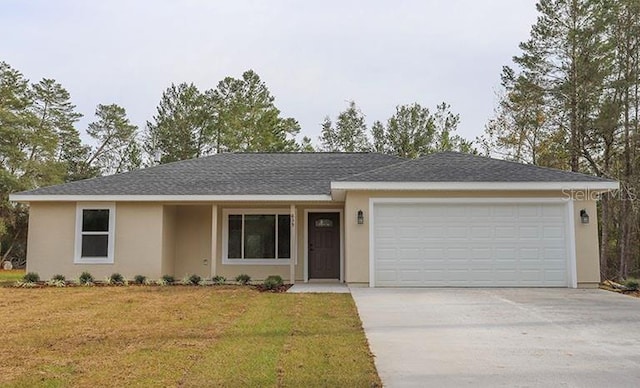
(324, 245)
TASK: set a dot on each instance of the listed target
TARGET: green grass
(181, 336)
(12, 276)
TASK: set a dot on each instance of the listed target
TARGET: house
(447, 219)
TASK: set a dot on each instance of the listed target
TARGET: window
(256, 236)
(95, 224)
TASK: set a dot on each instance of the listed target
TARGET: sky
(314, 56)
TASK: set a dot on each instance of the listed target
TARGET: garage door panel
(470, 245)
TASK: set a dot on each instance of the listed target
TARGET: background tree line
(40, 143)
(572, 102)
(412, 131)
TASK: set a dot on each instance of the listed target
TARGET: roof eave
(601, 186)
(26, 198)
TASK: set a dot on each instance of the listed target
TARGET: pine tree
(246, 119)
(115, 137)
(57, 118)
(378, 133)
(328, 136)
(410, 131)
(182, 127)
(351, 130)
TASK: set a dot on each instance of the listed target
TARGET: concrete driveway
(502, 337)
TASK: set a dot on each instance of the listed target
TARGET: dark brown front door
(324, 246)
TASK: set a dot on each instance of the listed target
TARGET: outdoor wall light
(360, 217)
(584, 216)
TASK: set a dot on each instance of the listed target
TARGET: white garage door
(470, 245)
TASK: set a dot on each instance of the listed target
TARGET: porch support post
(214, 239)
(293, 249)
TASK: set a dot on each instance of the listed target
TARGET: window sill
(93, 260)
(256, 261)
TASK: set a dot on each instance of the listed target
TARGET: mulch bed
(42, 284)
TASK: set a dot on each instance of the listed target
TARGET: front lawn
(187, 336)
(11, 276)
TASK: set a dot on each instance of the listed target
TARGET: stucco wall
(587, 245)
(192, 241)
(168, 239)
(51, 241)
(357, 236)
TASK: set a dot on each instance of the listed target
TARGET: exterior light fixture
(360, 217)
(584, 216)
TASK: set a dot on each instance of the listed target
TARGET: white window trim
(80, 206)
(225, 237)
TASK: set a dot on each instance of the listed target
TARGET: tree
(410, 131)
(351, 130)
(16, 120)
(379, 137)
(246, 119)
(57, 118)
(328, 136)
(116, 150)
(306, 145)
(445, 126)
(349, 133)
(182, 127)
(573, 103)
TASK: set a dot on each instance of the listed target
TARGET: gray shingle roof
(305, 174)
(231, 174)
(459, 167)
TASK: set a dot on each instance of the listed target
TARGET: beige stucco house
(447, 219)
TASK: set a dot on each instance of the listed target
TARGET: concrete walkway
(322, 288)
(502, 337)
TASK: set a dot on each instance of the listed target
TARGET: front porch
(297, 241)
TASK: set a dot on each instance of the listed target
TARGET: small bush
(168, 279)
(116, 279)
(57, 283)
(243, 279)
(218, 279)
(632, 284)
(59, 278)
(193, 279)
(85, 278)
(139, 279)
(21, 283)
(272, 282)
(31, 277)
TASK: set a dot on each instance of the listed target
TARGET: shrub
(85, 278)
(632, 284)
(59, 278)
(31, 277)
(57, 283)
(116, 278)
(243, 278)
(168, 279)
(272, 282)
(193, 279)
(139, 279)
(218, 279)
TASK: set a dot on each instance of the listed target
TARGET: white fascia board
(170, 198)
(470, 186)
